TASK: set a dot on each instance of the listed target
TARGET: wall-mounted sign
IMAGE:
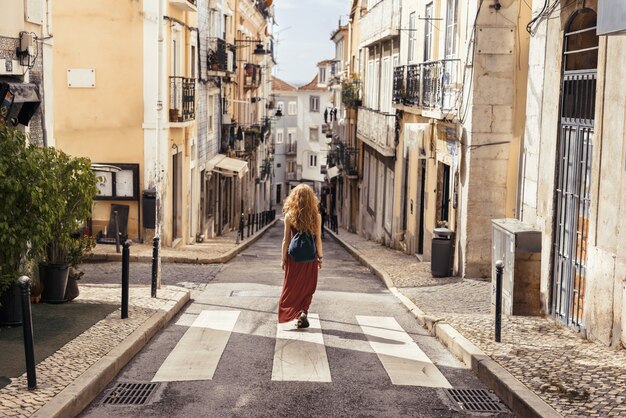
(118, 185)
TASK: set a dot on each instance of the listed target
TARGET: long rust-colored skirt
(299, 285)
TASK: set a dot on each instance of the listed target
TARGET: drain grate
(130, 393)
(476, 400)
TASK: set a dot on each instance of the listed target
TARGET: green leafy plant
(76, 188)
(26, 209)
(79, 247)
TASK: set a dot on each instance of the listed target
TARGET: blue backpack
(302, 247)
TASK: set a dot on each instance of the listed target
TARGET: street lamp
(259, 48)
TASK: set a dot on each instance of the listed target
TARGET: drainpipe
(159, 115)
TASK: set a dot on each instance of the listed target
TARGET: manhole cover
(131, 393)
(476, 400)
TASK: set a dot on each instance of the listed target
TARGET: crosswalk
(299, 354)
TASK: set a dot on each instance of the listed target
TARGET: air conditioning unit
(518, 245)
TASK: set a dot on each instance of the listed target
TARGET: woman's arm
(318, 241)
(286, 239)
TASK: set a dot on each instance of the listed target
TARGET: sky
(303, 32)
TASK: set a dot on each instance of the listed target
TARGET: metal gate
(573, 170)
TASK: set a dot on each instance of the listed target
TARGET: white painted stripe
(196, 355)
(405, 363)
(300, 354)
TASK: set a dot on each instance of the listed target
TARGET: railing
(187, 5)
(252, 76)
(413, 81)
(398, 84)
(291, 149)
(350, 160)
(351, 93)
(290, 175)
(380, 22)
(182, 99)
(377, 129)
(434, 85)
(217, 57)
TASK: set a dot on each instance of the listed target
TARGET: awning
(227, 166)
(18, 101)
(332, 172)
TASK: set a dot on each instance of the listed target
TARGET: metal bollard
(27, 326)
(498, 321)
(241, 227)
(155, 266)
(125, 270)
(249, 222)
(117, 232)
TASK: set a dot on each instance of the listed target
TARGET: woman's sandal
(303, 322)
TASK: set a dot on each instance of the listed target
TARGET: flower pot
(10, 306)
(54, 281)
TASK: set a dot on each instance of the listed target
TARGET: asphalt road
(255, 373)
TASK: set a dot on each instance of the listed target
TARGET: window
(312, 160)
(370, 169)
(281, 106)
(314, 103)
(451, 21)
(314, 134)
(293, 108)
(192, 62)
(412, 34)
(428, 32)
(386, 86)
(291, 166)
(291, 136)
(279, 136)
(322, 77)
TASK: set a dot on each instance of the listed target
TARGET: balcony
(351, 93)
(350, 161)
(220, 57)
(252, 76)
(182, 99)
(377, 130)
(381, 22)
(434, 87)
(186, 5)
(290, 175)
(291, 149)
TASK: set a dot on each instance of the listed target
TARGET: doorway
(177, 213)
(572, 195)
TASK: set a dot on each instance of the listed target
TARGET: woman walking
(302, 219)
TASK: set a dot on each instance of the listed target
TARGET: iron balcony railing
(433, 85)
(377, 129)
(398, 84)
(217, 57)
(182, 99)
(349, 160)
(291, 149)
(290, 175)
(351, 93)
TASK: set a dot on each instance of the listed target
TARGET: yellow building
(126, 99)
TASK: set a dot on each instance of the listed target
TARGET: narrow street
(224, 355)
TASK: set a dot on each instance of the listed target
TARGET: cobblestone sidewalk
(576, 377)
(62, 368)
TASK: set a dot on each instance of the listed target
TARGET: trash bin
(441, 252)
(148, 208)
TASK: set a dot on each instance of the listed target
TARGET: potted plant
(26, 211)
(76, 186)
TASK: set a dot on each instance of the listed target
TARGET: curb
(521, 400)
(98, 258)
(72, 400)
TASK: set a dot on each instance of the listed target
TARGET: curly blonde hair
(302, 207)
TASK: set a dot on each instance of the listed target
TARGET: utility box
(441, 252)
(148, 208)
(518, 245)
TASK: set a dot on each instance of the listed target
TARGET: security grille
(476, 400)
(131, 393)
